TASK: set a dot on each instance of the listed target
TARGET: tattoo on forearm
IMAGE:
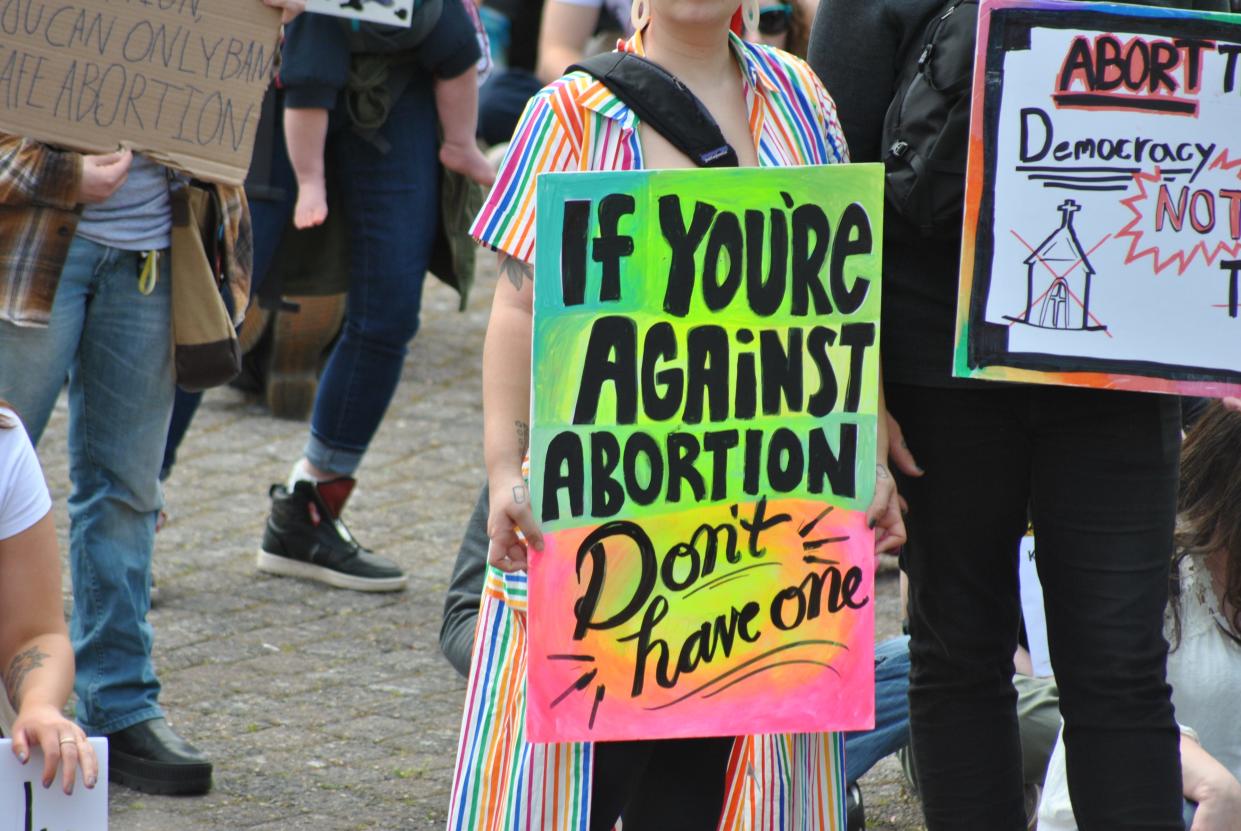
(22, 665)
(519, 494)
(523, 437)
(516, 271)
(881, 472)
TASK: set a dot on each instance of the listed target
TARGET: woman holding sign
(35, 656)
(772, 111)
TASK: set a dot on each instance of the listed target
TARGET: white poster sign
(25, 805)
(1103, 231)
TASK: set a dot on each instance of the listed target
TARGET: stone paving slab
(326, 709)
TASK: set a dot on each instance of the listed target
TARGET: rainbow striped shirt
(577, 124)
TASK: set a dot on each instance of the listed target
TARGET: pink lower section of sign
(735, 620)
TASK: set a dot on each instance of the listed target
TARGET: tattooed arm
(36, 660)
(506, 414)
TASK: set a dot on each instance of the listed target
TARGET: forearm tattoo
(523, 437)
(22, 665)
(516, 271)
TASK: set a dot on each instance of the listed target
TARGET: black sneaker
(306, 538)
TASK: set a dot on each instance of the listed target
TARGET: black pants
(673, 785)
(1096, 472)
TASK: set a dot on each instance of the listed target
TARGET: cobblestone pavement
(326, 709)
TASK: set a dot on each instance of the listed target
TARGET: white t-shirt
(1205, 673)
(24, 499)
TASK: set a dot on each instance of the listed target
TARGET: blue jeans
(864, 748)
(114, 344)
(392, 202)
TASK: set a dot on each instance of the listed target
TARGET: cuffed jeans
(863, 748)
(392, 201)
(114, 344)
(1097, 473)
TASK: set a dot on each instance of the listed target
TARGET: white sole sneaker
(286, 567)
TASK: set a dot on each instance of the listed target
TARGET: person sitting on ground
(1203, 625)
(35, 656)
(456, 102)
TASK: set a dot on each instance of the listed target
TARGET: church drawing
(1058, 276)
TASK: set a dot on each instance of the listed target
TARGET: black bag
(664, 103)
(926, 129)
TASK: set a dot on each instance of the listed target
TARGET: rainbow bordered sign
(703, 451)
(1102, 240)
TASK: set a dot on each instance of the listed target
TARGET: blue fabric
(114, 344)
(501, 101)
(392, 201)
(863, 748)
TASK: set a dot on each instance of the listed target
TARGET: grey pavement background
(326, 709)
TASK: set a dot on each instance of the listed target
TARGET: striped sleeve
(829, 123)
(542, 143)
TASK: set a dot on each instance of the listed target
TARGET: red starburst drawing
(1143, 243)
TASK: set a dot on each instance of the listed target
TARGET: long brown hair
(1209, 506)
(5, 421)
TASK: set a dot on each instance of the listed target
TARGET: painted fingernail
(871, 523)
(23, 757)
(90, 781)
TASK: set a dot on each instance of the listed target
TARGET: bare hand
(291, 8)
(63, 742)
(1233, 404)
(884, 514)
(1220, 807)
(103, 175)
(510, 513)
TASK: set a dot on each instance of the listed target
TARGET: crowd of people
(1139, 541)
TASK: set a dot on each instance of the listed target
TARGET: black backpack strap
(664, 103)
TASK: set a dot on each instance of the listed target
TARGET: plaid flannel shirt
(39, 217)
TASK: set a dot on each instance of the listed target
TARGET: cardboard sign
(181, 80)
(389, 12)
(1102, 242)
(703, 451)
(25, 804)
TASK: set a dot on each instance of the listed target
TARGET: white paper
(1032, 608)
(388, 12)
(25, 804)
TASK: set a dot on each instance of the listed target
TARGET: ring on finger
(68, 740)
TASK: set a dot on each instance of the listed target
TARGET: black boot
(306, 538)
(151, 758)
